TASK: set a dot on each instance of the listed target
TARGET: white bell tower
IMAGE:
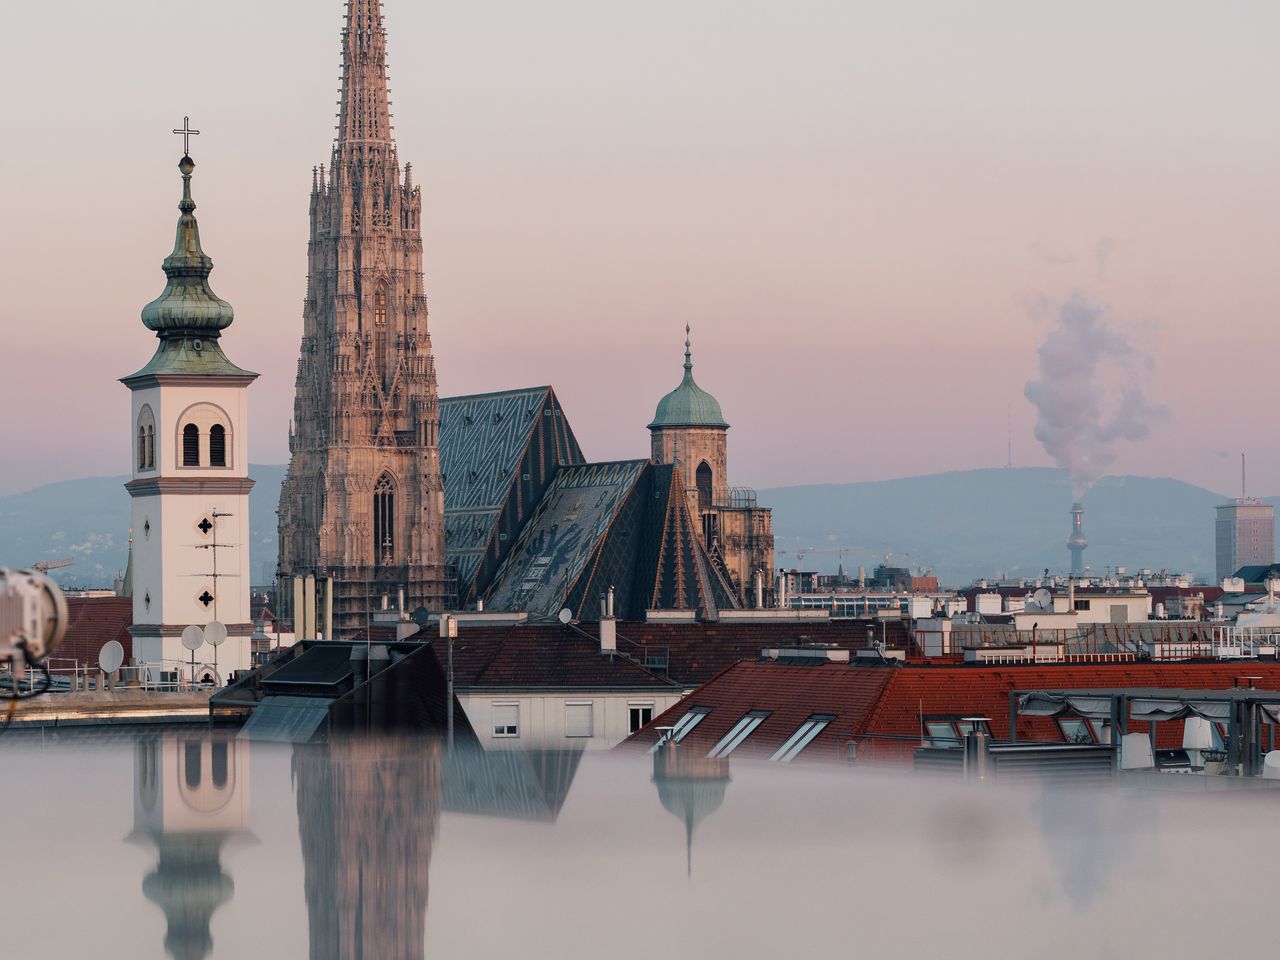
(190, 486)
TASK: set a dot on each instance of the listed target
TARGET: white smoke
(1091, 393)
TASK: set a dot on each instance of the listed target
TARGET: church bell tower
(363, 503)
(190, 452)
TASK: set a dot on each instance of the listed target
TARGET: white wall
(542, 718)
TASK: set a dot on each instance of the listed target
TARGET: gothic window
(703, 480)
(384, 504)
(217, 445)
(191, 445)
(381, 335)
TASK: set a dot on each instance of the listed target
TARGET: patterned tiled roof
(498, 453)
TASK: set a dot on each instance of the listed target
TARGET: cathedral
(362, 507)
(483, 500)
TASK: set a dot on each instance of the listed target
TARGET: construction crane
(44, 566)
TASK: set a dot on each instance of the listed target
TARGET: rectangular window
(506, 718)
(1077, 730)
(1082, 604)
(682, 726)
(578, 719)
(741, 730)
(803, 736)
(638, 714)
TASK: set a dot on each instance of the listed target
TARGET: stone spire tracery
(366, 414)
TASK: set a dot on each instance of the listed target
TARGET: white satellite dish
(215, 633)
(566, 616)
(111, 656)
(193, 637)
(1043, 599)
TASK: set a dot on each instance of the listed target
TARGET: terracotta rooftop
(92, 623)
(885, 708)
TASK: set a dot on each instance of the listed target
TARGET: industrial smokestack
(1077, 542)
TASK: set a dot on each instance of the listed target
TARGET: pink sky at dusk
(857, 206)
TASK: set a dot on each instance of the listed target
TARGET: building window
(638, 714)
(217, 445)
(741, 730)
(578, 719)
(803, 736)
(683, 726)
(191, 445)
(384, 515)
(1082, 605)
(704, 486)
(506, 718)
(948, 732)
(151, 447)
(142, 448)
(1077, 730)
(381, 336)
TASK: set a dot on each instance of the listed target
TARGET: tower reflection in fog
(367, 816)
(191, 797)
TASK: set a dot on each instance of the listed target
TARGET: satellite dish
(215, 633)
(1043, 599)
(566, 616)
(111, 656)
(193, 637)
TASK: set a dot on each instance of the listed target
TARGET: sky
(868, 212)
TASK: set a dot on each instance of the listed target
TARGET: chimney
(1077, 542)
(608, 625)
(759, 588)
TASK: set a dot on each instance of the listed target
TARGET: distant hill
(964, 525)
(982, 522)
(88, 521)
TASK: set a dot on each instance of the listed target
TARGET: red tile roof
(92, 623)
(883, 707)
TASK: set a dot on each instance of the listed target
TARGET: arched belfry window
(146, 439)
(191, 445)
(217, 445)
(384, 515)
(703, 480)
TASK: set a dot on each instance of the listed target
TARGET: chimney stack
(1077, 542)
(608, 625)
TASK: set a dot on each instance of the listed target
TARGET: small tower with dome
(689, 430)
(189, 447)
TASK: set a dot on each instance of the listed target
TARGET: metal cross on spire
(186, 133)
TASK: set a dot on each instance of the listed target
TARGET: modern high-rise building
(362, 509)
(1246, 535)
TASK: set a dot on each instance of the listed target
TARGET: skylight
(741, 730)
(682, 726)
(802, 737)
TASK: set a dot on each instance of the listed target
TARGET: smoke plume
(1091, 393)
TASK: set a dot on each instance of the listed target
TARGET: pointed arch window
(191, 445)
(703, 481)
(384, 514)
(217, 445)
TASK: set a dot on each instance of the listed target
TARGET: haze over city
(870, 215)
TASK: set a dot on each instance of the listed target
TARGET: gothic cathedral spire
(363, 504)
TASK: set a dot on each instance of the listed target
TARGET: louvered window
(191, 445)
(578, 718)
(506, 719)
